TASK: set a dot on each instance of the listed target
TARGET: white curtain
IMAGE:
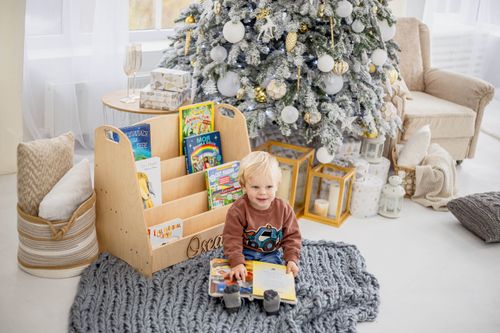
(465, 36)
(73, 55)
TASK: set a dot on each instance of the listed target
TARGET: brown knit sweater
(261, 230)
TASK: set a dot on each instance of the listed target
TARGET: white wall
(398, 7)
(11, 69)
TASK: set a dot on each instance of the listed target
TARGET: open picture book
(261, 276)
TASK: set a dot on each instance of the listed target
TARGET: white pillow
(67, 194)
(415, 148)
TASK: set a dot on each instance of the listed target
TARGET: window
(153, 19)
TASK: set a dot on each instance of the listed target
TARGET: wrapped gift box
(163, 99)
(366, 196)
(170, 79)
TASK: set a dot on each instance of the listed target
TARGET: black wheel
(268, 245)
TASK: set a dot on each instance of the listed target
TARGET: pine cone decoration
(291, 41)
(340, 67)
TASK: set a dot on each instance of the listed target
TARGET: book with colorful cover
(149, 180)
(202, 151)
(222, 184)
(165, 233)
(140, 139)
(261, 276)
(195, 119)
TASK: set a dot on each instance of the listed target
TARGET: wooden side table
(121, 114)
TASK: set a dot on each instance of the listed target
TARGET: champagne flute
(129, 67)
(138, 63)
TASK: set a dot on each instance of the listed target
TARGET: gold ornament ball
(303, 28)
(276, 89)
(340, 67)
(190, 19)
(372, 68)
(260, 95)
(371, 135)
(312, 118)
(393, 75)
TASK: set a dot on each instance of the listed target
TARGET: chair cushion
(411, 64)
(40, 165)
(447, 119)
(480, 213)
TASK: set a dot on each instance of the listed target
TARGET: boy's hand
(292, 267)
(238, 272)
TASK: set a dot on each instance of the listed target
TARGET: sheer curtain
(465, 36)
(73, 55)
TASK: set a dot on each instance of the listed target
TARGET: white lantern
(233, 32)
(391, 201)
(229, 84)
(379, 57)
(333, 84)
(386, 31)
(218, 54)
(357, 26)
(289, 114)
(325, 63)
(324, 156)
(372, 149)
(344, 8)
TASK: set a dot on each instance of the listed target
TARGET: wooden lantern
(295, 162)
(328, 194)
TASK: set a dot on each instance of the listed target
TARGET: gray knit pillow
(480, 213)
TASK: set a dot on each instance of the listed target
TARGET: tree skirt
(334, 292)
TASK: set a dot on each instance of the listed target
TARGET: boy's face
(261, 191)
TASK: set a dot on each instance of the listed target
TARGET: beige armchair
(452, 103)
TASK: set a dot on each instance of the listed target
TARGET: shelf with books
(122, 222)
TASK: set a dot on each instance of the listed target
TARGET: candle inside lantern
(321, 207)
(333, 198)
(286, 181)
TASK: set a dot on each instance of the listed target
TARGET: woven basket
(409, 174)
(58, 249)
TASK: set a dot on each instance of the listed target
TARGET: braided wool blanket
(333, 288)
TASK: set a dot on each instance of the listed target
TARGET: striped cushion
(480, 213)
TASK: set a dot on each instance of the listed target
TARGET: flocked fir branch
(273, 59)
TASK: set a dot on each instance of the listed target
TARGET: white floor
(435, 276)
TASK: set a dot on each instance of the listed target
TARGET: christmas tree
(317, 69)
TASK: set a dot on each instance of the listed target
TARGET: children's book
(195, 119)
(260, 277)
(222, 184)
(164, 233)
(149, 179)
(140, 138)
(202, 151)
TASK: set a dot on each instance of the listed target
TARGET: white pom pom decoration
(289, 114)
(325, 63)
(229, 84)
(218, 54)
(324, 156)
(357, 26)
(379, 57)
(387, 32)
(233, 32)
(333, 84)
(344, 8)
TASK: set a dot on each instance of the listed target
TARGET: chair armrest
(458, 88)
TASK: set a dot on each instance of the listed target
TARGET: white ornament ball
(229, 84)
(357, 26)
(387, 32)
(324, 156)
(326, 63)
(333, 84)
(233, 32)
(218, 54)
(276, 89)
(289, 114)
(379, 57)
(344, 9)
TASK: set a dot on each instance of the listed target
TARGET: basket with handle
(407, 174)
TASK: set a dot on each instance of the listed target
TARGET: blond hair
(259, 162)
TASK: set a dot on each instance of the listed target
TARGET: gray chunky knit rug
(333, 288)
